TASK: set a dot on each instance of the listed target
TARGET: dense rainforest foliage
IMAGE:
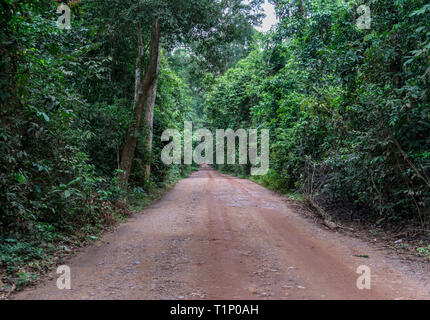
(348, 109)
(79, 100)
(83, 109)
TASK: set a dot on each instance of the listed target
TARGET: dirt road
(218, 237)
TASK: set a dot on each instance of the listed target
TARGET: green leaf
(20, 178)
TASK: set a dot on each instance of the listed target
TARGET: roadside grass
(293, 195)
(270, 182)
(140, 198)
(417, 248)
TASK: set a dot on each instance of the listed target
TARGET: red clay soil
(218, 237)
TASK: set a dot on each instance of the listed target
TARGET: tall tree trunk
(149, 117)
(142, 91)
(302, 12)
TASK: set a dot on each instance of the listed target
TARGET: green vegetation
(71, 103)
(348, 109)
(83, 109)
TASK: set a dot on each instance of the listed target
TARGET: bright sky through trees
(270, 18)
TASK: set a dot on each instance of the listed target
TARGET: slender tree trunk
(149, 117)
(142, 91)
(139, 61)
